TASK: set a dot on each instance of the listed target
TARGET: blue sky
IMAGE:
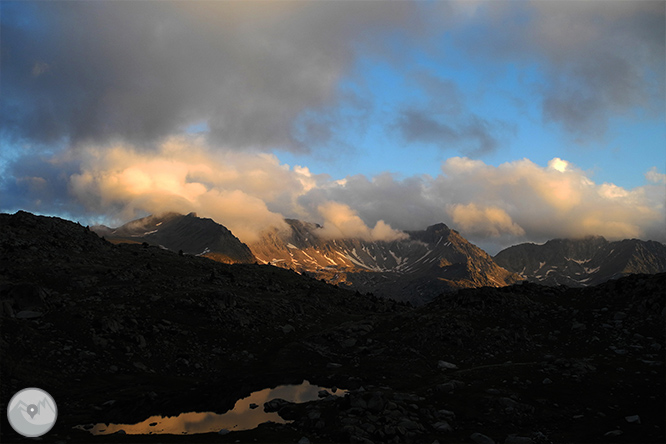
(409, 113)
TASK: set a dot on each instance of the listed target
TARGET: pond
(241, 417)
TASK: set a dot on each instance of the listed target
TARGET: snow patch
(578, 261)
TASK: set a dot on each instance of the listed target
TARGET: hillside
(117, 333)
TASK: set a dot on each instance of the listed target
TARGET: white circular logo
(32, 412)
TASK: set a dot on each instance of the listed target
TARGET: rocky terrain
(583, 262)
(117, 333)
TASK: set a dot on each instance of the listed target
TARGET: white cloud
(655, 176)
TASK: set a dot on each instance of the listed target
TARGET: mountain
(127, 332)
(189, 233)
(416, 268)
(583, 262)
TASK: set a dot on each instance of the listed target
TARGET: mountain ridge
(187, 233)
(583, 262)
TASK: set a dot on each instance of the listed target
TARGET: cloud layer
(492, 205)
(266, 74)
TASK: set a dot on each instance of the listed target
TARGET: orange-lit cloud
(486, 221)
(340, 221)
(183, 175)
(501, 205)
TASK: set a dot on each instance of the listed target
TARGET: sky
(510, 121)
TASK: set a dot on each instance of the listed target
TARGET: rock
(332, 365)
(223, 432)
(358, 401)
(323, 394)
(513, 439)
(141, 366)
(613, 433)
(633, 419)
(287, 328)
(577, 326)
(253, 405)
(28, 314)
(450, 386)
(619, 316)
(304, 440)
(376, 403)
(408, 424)
(7, 309)
(547, 381)
(349, 342)
(275, 405)
(480, 438)
(28, 297)
(443, 365)
(442, 426)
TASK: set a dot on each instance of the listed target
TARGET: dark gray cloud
(441, 118)
(598, 59)
(97, 71)
(473, 135)
(39, 184)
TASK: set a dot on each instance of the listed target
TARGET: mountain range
(583, 262)
(415, 268)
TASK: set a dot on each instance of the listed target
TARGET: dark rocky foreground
(116, 333)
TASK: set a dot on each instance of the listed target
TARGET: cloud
(138, 72)
(597, 59)
(341, 222)
(488, 221)
(473, 136)
(437, 115)
(655, 176)
(245, 192)
(496, 206)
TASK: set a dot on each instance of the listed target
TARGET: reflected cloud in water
(241, 417)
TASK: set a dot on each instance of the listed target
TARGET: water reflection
(241, 417)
